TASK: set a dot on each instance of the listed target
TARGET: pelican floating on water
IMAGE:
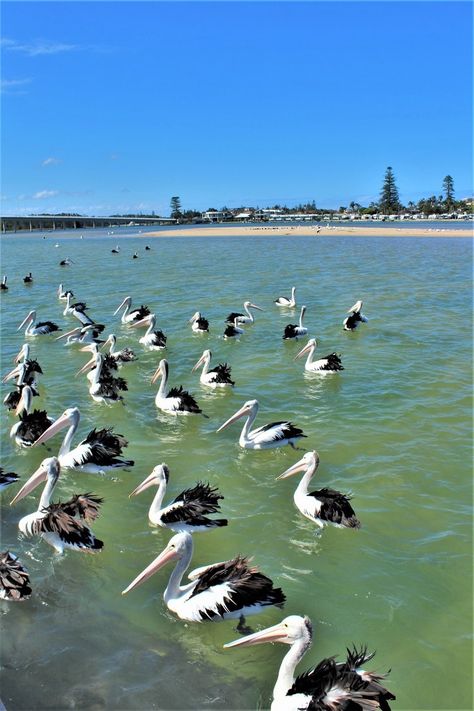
(235, 317)
(218, 377)
(226, 590)
(275, 434)
(97, 453)
(199, 323)
(324, 506)
(85, 334)
(59, 524)
(65, 262)
(14, 578)
(285, 301)
(104, 386)
(130, 315)
(63, 293)
(77, 310)
(116, 249)
(295, 331)
(40, 329)
(3, 285)
(188, 511)
(7, 478)
(154, 340)
(232, 331)
(28, 279)
(331, 685)
(120, 356)
(31, 424)
(329, 364)
(176, 400)
(356, 317)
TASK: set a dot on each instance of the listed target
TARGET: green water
(394, 428)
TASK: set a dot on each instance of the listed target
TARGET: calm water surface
(394, 428)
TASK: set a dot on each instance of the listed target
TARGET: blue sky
(117, 106)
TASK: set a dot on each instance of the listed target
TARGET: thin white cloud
(44, 194)
(51, 161)
(13, 86)
(38, 47)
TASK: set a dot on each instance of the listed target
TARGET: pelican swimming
(77, 310)
(200, 324)
(104, 386)
(285, 301)
(26, 375)
(275, 434)
(97, 453)
(324, 506)
(14, 578)
(356, 316)
(7, 478)
(28, 279)
(130, 315)
(329, 364)
(63, 293)
(226, 590)
(84, 334)
(248, 317)
(31, 424)
(27, 370)
(59, 524)
(188, 511)
(40, 329)
(122, 356)
(108, 363)
(116, 249)
(331, 685)
(218, 377)
(3, 285)
(294, 331)
(176, 400)
(135, 255)
(232, 331)
(65, 262)
(154, 340)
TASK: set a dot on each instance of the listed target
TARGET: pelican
(123, 356)
(324, 506)
(248, 317)
(26, 371)
(285, 301)
(129, 316)
(200, 324)
(40, 329)
(86, 334)
(7, 478)
(108, 363)
(356, 316)
(3, 285)
(154, 340)
(31, 424)
(63, 293)
(329, 364)
(28, 279)
(104, 386)
(275, 434)
(14, 578)
(78, 311)
(65, 262)
(147, 248)
(188, 511)
(331, 685)
(175, 401)
(232, 331)
(59, 524)
(116, 250)
(218, 377)
(135, 255)
(226, 590)
(294, 331)
(97, 453)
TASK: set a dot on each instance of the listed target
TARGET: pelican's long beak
(90, 363)
(254, 306)
(121, 305)
(357, 307)
(75, 332)
(157, 374)
(277, 633)
(300, 466)
(61, 422)
(143, 322)
(240, 413)
(304, 350)
(146, 483)
(109, 340)
(19, 356)
(12, 374)
(90, 348)
(193, 318)
(26, 320)
(199, 363)
(165, 557)
(35, 479)
(23, 401)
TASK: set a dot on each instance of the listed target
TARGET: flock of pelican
(230, 589)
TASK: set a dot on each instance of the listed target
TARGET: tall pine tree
(389, 202)
(448, 187)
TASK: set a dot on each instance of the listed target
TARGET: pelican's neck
(30, 326)
(244, 435)
(97, 371)
(162, 391)
(68, 304)
(249, 313)
(46, 495)
(309, 358)
(126, 312)
(66, 445)
(150, 327)
(205, 367)
(174, 589)
(302, 487)
(301, 318)
(113, 341)
(154, 512)
(286, 675)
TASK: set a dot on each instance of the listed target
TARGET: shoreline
(309, 231)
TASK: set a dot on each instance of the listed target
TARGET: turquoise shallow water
(394, 428)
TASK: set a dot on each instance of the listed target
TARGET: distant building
(217, 216)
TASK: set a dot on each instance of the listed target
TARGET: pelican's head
(309, 461)
(48, 469)
(96, 359)
(126, 302)
(249, 407)
(75, 332)
(206, 356)
(178, 546)
(145, 321)
(111, 340)
(17, 372)
(249, 305)
(311, 345)
(24, 403)
(161, 370)
(160, 473)
(69, 418)
(292, 629)
(23, 353)
(26, 321)
(195, 317)
(356, 308)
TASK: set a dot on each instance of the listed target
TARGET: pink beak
(165, 557)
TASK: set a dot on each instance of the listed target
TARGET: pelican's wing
(85, 506)
(14, 578)
(74, 533)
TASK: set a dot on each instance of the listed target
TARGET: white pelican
(122, 356)
(97, 453)
(200, 324)
(232, 331)
(324, 506)
(7, 478)
(104, 386)
(218, 377)
(26, 371)
(108, 364)
(31, 424)
(40, 329)
(226, 590)
(65, 262)
(154, 340)
(14, 578)
(63, 293)
(188, 511)
(28, 279)
(329, 364)
(77, 310)
(331, 685)
(3, 285)
(129, 316)
(356, 317)
(116, 249)
(294, 331)
(135, 255)
(275, 434)
(248, 317)
(59, 524)
(84, 334)
(285, 301)
(176, 400)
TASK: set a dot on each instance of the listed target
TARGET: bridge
(17, 223)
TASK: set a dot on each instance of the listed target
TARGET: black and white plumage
(26, 372)
(295, 331)
(218, 377)
(104, 386)
(189, 511)
(285, 301)
(135, 255)
(115, 250)
(78, 310)
(235, 317)
(331, 685)
(65, 262)
(199, 323)
(14, 578)
(7, 478)
(3, 285)
(329, 364)
(233, 330)
(226, 590)
(63, 293)
(61, 525)
(154, 340)
(31, 425)
(176, 400)
(355, 318)
(125, 355)
(83, 335)
(100, 451)
(131, 315)
(28, 279)
(323, 506)
(37, 329)
(275, 434)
